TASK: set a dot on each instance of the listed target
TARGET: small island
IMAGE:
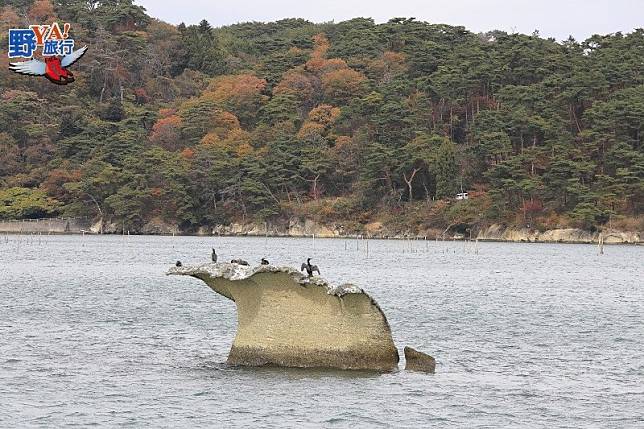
(287, 319)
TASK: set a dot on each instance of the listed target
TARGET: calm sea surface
(525, 335)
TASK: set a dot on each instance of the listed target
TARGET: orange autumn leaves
(41, 12)
(388, 66)
(216, 126)
(243, 95)
(319, 122)
(235, 141)
(231, 105)
(297, 84)
(225, 132)
(342, 85)
(166, 132)
(330, 79)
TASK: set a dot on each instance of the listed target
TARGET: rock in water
(419, 361)
(287, 319)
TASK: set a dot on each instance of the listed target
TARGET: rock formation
(498, 232)
(287, 319)
(419, 361)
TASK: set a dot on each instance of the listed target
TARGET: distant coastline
(309, 228)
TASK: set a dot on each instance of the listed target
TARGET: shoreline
(306, 228)
(339, 237)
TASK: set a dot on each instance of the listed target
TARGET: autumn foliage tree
(354, 121)
(240, 94)
(166, 133)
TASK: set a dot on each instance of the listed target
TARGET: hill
(352, 123)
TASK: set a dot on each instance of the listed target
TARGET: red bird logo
(54, 68)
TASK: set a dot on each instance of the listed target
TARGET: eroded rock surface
(498, 232)
(287, 319)
(419, 361)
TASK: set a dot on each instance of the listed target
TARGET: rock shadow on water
(272, 372)
(314, 373)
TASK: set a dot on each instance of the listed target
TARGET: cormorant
(264, 261)
(178, 264)
(239, 262)
(214, 256)
(310, 268)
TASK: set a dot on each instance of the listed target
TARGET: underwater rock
(419, 361)
(287, 319)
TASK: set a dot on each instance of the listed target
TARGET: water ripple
(94, 334)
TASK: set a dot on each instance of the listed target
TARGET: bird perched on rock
(264, 261)
(239, 262)
(214, 256)
(178, 264)
(310, 268)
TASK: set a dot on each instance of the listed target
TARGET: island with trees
(407, 125)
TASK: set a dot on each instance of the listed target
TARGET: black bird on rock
(178, 264)
(214, 256)
(310, 268)
(239, 262)
(264, 261)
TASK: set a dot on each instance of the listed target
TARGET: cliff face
(567, 235)
(297, 227)
(287, 319)
(294, 228)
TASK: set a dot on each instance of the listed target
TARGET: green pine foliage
(350, 122)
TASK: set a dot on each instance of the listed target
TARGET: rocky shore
(564, 235)
(496, 232)
(298, 227)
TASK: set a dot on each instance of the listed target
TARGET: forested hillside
(350, 122)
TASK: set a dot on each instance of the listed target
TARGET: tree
(25, 203)
(240, 94)
(340, 86)
(299, 85)
(446, 170)
(166, 133)
(199, 125)
(416, 159)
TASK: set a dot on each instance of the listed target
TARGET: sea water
(92, 332)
